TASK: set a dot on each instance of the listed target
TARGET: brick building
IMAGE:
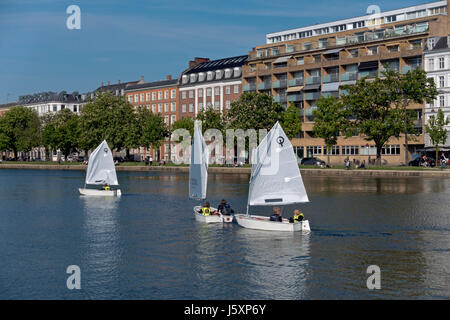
(300, 65)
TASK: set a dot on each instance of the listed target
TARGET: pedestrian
(151, 160)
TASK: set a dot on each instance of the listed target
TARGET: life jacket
(107, 188)
(297, 217)
(206, 211)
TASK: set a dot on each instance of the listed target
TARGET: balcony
(295, 97)
(296, 82)
(331, 78)
(313, 80)
(249, 87)
(369, 74)
(312, 95)
(409, 68)
(280, 98)
(309, 111)
(264, 86)
(349, 76)
(280, 84)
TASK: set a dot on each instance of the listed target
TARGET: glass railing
(349, 76)
(296, 82)
(295, 97)
(264, 86)
(312, 95)
(280, 98)
(249, 87)
(279, 84)
(369, 74)
(331, 78)
(312, 80)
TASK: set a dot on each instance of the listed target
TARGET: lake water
(147, 244)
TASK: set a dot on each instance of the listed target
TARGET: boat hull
(100, 193)
(264, 223)
(207, 219)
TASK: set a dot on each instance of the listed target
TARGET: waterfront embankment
(403, 172)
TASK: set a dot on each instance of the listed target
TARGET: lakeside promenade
(425, 173)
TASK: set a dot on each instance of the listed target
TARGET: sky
(126, 39)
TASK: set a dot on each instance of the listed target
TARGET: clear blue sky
(124, 39)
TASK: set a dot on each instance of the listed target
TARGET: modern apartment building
(159, 97)
(437, 66)
(210, 84)
(299, 66)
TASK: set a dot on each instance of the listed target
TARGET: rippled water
(147, 245)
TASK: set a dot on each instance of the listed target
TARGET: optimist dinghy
(275, 181)
(101, 171)
(198, 176)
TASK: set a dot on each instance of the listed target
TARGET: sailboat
(198, 175)
(275, 181)
(101, 171)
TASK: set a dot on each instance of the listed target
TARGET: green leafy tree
(211, 120)
(376, 116)
(47, 133)
(435, 127)
(184, 123)
(152, 128)
(291, 121)
(330, 119)
(406, 89)
(19, 130)
(63, 132)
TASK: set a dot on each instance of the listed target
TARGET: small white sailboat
(198, 176)
(101, 171)
(275, 180)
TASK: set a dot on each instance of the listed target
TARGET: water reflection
(102, 248)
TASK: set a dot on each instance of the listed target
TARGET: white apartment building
(437, 66)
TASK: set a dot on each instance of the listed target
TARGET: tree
(211, 120)
(19, 130)
(330, 120)
(412, 87)
(62, 132)
(254, 110)
(291, 122)
(376, 116)
(151, 127)
(109, 118)
(435, 127)
(47, 133)
(184, 123)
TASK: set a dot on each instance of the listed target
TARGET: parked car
(119, 159)
(312, 162)
(80, 159)
(420, 162)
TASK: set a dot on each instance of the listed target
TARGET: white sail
(276, 178)
(101, 168)
(198, 169)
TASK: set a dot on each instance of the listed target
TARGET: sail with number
(198, 169)
(275, 177)
(101, 168)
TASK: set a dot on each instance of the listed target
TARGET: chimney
(118, 81)
(109, 83)
(141, 80)
(197, 61)
(168, 77)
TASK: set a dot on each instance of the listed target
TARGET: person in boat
(206, 210)
(298, 217)
(106, 187)
(276, 216)
(225, 208)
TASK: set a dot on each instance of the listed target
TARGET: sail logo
(280, 140)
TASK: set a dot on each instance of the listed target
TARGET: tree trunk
(379, 155)
(406, 133)
(437, 154)
(86, 155)
(15, 154)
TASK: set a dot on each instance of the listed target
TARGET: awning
(282, 59)
(333, 51)
(309, 87)
(344, 83)
(333, 86)
(368, 65)
(295, 89)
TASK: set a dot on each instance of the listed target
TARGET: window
(217, 105)
(63, 106)
(173, 118)
(430, 64)
(228, 89)
(130, 98)
(154, 96)
(359, 24)
(393, 48)
(442, 101)
(391, 19)
(372, 50)
(142, 97)
(350, 150)
(166, 120)
(191, 94)
(183, 108)
(166, 107)
(166, 94)
(441, 63)
(159, 95)
(159, 107)
(353, 53)
(147, 96)
(200, 106)
(173, 94)
(173, 107)
(154, 108)
(236, 88)
(314, 151)
(208, 92)
(390, 150)
(217, 91)
(75, 108)
(191, 107)
(228, 104)
(300, 61)
(333, 152)
(200, 93)
(441, 82)
(136, 98)
(183, 94)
